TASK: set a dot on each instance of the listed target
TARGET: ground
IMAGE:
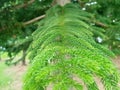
(117, 62)
(17, 73)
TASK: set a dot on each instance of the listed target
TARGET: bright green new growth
(63, 49)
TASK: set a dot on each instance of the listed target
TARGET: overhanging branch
(42, 16)
(100, 24)
(27, 22)
(24, 5)
(33, 20)
(18, 6)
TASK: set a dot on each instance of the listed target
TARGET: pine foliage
(63, 48)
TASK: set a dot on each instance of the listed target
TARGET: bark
(61, 2)
(33, 20)
(0, 58)
(23, 57)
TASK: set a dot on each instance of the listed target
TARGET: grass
(5, 79)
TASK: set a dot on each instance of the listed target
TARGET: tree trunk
(0, 58)
(61, 2)
(23, 57)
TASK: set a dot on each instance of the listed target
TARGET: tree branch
(27, 22)
(33, 20)
(42, 16)
(24, 5)
(18, 6)
(100, 24)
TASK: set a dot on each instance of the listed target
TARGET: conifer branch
(65, 48)
(42, 16)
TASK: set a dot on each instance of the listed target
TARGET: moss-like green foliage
(63, 48)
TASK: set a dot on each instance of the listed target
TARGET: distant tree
(17, 22)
